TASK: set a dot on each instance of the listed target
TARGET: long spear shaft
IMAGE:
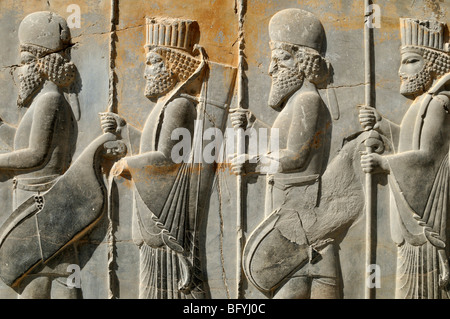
(240, 6)
(112, 107)
(369, 101)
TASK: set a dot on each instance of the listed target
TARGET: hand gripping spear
(240, 7)
(372, 143)
(112, 108)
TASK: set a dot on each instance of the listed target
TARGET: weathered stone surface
(104, 167)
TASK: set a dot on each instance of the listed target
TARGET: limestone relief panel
(235, 149)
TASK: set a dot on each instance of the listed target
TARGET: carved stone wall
(228, 44)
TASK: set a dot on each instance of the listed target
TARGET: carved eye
(280, 56)
(411, 60)
(285, 57)
(154, 59)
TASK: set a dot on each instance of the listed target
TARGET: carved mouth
(415, 84)
(159, 85)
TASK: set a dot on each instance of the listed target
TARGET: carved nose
(272, 67)
(401, 73)
(146, 73)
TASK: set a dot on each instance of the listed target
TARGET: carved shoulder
(307, 104)
(49, 102)
(310, 97)
(180, 110)
(181, 103)
(433, 132)
(441, 100)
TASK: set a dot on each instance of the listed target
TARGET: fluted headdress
(173, 33)
(423, 33)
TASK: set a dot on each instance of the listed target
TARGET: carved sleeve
(179, 113)
(433, 138)
(389, 129)
(40, 139)
(422, 163)
(7, 133)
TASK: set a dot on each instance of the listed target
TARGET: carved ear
(323, 72)
(315, 67)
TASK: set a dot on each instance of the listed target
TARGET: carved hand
(120, 168)
(241, 164)
(368, 117)
(111, 122)
(374, 163)
(115, 150)
(241, 118)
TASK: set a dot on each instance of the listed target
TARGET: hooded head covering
(298, 27)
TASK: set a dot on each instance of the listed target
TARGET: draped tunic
(418, 182)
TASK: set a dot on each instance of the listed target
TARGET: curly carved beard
(52, 67)
(30, 83)
(159, 84)
(284, 82)
(57, 69)
(416, 84)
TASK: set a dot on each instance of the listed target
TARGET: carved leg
(324, 288)
(46, 287)
(50, 280)
(295, 288)
(35, 287)
(60, 290)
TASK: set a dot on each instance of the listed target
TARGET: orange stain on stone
(216, 19)
(218, 34)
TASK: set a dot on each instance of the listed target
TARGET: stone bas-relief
(147, 209)
(37, 238)
(296, 68)
(160, 202)
(310, 204)
(418, 215)
(165, 221)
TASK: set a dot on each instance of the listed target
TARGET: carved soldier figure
(297, 67)
(163, 224)
(43, 141)
(418, 171)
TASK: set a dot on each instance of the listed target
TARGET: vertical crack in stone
(221, 225)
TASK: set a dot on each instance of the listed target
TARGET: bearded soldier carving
(170, 189)
(55, 202)
(43, 139)
(418, 171)
(279, 258)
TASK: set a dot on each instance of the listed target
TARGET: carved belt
(284, 183)
(38, 184)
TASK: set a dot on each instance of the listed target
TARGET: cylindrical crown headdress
(423, 33)
(173, 33)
